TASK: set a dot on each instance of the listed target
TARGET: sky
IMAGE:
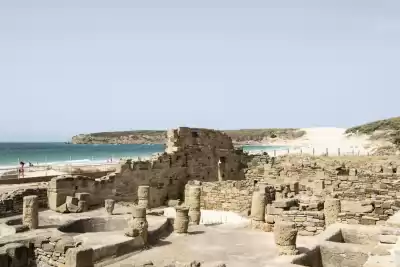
(81, 66)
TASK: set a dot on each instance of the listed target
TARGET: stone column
(30, 212)
(109, 205)
(194, 204)
(143, 196)
(181, 223)
(258, 206)
(138, 225)
(258, 210)
(285, 234)
(331, 210)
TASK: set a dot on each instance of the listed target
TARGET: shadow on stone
(196, 232)
(303, 250)
(162, 243)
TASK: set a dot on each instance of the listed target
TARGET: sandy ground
(54, 170)
(319, 140)
(214, 245)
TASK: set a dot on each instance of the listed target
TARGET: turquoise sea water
(53, 153)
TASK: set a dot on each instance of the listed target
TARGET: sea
(62, 153)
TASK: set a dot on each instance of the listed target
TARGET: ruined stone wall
(183, 138)
(61, 187)
(11, 202)
(191, 154)
(368, 195)
(51, 251)
(227, 195)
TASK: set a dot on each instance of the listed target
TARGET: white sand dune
(319, 140)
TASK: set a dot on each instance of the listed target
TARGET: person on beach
(21, 169)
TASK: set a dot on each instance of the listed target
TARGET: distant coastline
(239, 137)
(46, 154)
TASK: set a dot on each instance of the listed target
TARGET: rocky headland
(242, 136)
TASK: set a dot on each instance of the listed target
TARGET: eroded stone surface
(30, 212)
(109, 205)
(181, 223)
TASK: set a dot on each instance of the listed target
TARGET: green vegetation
(383, 129)
(159, 136)
(392, 124)
(128, 133)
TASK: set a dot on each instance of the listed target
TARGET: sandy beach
(54, 170)
(320, 140)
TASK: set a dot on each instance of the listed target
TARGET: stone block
(332, 208)
(79, 257)
(294, 187)
(285, 203)
(342, 254)
(17, 254)
(71, 200)
(388, 239)
(40, 240)
(62, 208)
(356, 207)
(275, 211)
(3, 259)
(270, 219)
(366, 220)
(64, 244)
(83, 196)
(48, 247)
(30, 212)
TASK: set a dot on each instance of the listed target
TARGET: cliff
(241, 136)
(123, 137)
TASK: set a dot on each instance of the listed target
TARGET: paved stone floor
(215, 244)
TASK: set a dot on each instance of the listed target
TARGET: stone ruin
(347, 209)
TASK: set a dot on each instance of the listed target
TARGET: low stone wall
(11, 203)
(52, 250)
(307, 222)
(44, 250)
(227, 195)
(367, 212)
(13, 179)
(61, 187)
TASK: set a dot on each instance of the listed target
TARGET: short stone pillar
(143, 196)
(109, 205)
(319, 185)
(285, 234)
(181, 223)
(83, 206)
(257, 212)
(138, 225)
(332, 209)
(258, 206)
(194, 204)
(79, 257)
(30, 212)
(83, 196)
(294, 187)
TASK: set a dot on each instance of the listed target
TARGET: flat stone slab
(236, 247)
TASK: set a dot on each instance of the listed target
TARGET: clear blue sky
(76, 66)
